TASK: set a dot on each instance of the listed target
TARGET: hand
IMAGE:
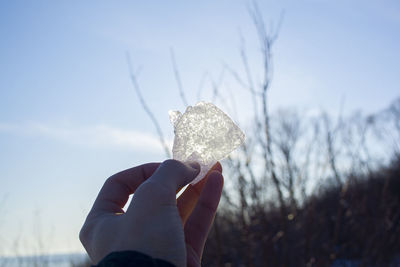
(155, 223)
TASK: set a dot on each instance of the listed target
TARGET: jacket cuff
(131, 259)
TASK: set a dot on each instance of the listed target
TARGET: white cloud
(95, 135)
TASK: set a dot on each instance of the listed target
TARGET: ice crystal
(204, 134)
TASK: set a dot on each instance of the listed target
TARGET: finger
(188, 199)
(160, 188)
(116, 190)
(173, 174)
(199, 223)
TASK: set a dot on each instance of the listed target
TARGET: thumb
(173, 174)
(161, 187)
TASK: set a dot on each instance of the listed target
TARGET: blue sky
(69, 117)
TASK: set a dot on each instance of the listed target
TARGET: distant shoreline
(56, 260)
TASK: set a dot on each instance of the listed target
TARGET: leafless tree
(287, 160)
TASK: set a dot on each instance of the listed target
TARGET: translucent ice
(204, 134)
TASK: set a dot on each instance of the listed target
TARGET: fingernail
(194, 165)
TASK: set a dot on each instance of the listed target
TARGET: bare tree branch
(146, 107)
(201, 85)
(178, 78)
(330, 136)
(216, 84)
(266, 44)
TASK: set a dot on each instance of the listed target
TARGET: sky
(69, 117)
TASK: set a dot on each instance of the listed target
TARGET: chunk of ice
(204, 134)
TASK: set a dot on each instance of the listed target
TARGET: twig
(216, 85)
(178, 78)
(201, 85)
(146, 108)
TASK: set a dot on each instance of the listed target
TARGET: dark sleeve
(131, 259)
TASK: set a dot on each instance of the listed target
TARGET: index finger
(116, 190)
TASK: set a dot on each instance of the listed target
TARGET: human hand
(155, 223)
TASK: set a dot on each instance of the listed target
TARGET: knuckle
(108, 182)
(110, 179)
(84, 234)
(87, 231)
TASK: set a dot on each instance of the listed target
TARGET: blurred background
(314, 84)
